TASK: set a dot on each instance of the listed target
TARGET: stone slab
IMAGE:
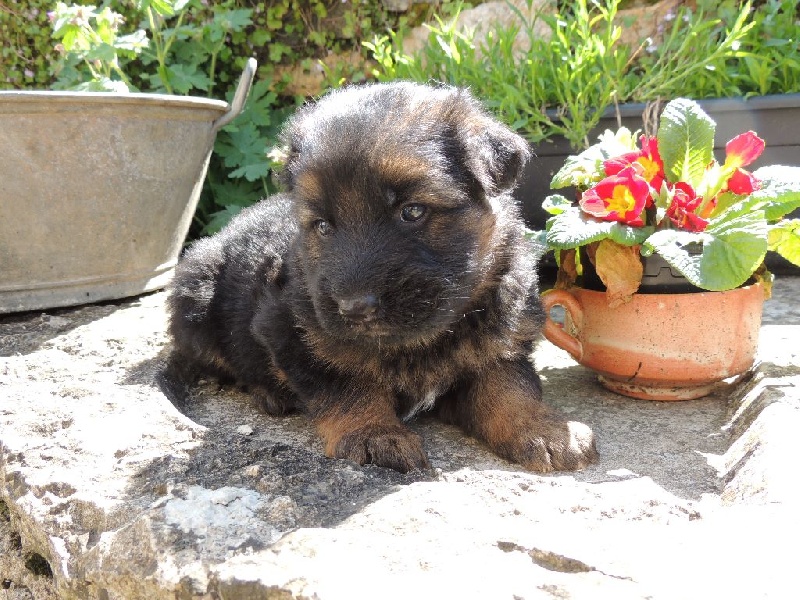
(118, 482)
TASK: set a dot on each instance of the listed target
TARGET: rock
(481, 19)
(397, 5)
(121, 480)
(646, 25)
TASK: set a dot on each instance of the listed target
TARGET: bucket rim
(112, 98)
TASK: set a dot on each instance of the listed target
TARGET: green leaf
(102, 84)
(277, 50)
(133, 42)
(260, 108)
(673, 246)
(245, 149)
(572, 228)
(184, 78)
(165, 8)
(586, 168)
(235, 192)
(233, 19)
(784, 238)
(733, 248)
(780, 190)
(685, 141)
(101, 52)
(556, 204)
(579, 171)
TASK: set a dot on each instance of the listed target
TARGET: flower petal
(742, 182)
(592, 203)
(681, 210)
(743, 150)
(620, 197)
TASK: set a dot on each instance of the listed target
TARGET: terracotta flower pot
(660, 346)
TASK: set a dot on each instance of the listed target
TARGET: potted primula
(661, 255)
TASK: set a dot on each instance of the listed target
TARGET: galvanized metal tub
(97, 190)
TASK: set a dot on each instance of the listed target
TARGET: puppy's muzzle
(358, 309)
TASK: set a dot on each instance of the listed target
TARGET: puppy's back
(217, 281)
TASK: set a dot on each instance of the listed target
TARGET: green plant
(696, 58)
(177, 45)
(562, 82)
(26, 51)
(247, 155)
(772, 65)
(90, 40)
(711, 222)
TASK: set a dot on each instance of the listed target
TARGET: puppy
(391, 277)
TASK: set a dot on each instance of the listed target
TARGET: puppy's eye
(413, 212)
(323, 227)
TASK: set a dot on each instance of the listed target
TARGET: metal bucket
(97, 190)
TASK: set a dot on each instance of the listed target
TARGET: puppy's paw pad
(394, 447)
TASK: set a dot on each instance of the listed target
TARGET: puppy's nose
(359, 308)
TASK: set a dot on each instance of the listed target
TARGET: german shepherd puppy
(391, 277)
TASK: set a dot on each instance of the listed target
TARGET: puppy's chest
(417, 385)
(410, 406)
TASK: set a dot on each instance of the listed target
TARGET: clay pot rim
(584, 290)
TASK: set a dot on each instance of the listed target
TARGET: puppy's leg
(361, 425)
(502, 406)
(274, 399)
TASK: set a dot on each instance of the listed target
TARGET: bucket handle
(239, 97)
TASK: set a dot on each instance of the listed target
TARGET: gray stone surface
(121, 482)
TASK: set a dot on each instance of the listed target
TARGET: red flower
(621, 197)
(743, 150)
(646, 161)
(681, 210)
(742, 182)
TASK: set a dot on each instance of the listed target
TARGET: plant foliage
(713, 223)
(560, 83)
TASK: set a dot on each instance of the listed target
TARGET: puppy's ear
(293, 139)
(496, 155)
(286, 174)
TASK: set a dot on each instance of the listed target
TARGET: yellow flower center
(621, 200)
(650, 168)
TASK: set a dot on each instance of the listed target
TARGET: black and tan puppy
(391, 277)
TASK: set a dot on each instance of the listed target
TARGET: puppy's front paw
(552, 445)
(393, 446)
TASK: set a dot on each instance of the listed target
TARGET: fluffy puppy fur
(391, 277)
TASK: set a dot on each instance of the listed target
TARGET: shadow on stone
(25, 333)
(244, 447)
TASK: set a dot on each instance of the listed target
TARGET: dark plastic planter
(658, 276)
